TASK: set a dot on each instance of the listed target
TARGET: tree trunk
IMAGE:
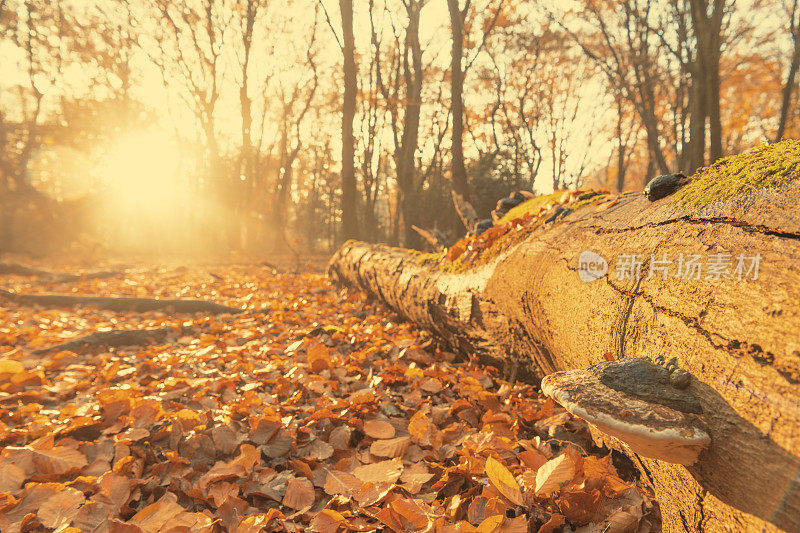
(406, 171)
(528, 311)
(697, 120)
(791, 77)
(457, 98)
(349, 191)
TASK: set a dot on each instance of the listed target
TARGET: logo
(591, 266)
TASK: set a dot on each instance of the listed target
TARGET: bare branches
(330, 24)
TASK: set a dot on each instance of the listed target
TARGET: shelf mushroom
(643, 404)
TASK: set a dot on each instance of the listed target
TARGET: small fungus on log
(662, 186)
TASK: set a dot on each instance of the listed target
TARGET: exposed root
(113, 338)
(137, 305)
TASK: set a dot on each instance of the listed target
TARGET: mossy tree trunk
(527, 310)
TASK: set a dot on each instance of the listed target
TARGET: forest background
(254, 127)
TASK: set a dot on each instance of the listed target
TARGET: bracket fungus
(644, 404)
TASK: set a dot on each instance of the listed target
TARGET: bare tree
(794, 66)
(458, 16)
(191, 46)
(349, 185)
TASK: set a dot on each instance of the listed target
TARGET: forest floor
(314, 409)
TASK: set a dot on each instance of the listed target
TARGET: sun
(140, 206)
(141, 170)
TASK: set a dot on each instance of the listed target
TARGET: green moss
(745, 173)
(531, 206)
(472, 259)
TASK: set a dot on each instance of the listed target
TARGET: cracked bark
(528, 311)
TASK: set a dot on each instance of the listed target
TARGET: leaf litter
(314, 410)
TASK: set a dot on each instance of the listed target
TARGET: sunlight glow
(140, 171)
(145, 199)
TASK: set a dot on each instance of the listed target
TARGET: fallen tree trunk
(138, 305)
(527, 308)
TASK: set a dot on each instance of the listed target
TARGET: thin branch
(330, 24)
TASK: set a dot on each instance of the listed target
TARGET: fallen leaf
(156, 515)
(555, 473)
(318, 357)
(299, 494)
(388, 471)
(341, 483)
(327, 521)
(60, 509)
(379, 429)
(503, 480)
(390, 447)
(491, 524)
(11, 477)
(55, 461)
(553, 523)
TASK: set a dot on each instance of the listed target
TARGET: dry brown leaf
(390, 447)
(9, 367)
(239, 467)
(55, 461)
(319, 450)
(60, 509)
(491, 524)
(622, 521)
(581, 507)
(532, 459)
(415, 476)
(514, 525)
(11, 477)
(379, 429)
(423, 431)
(388, 471)
(431, 385)
(319, 357)
(371, 493)
(156, 515)
(503, 480)
(338, 482)
(415, 514)
(327, 521)
(555, 473)
(552, 525)
(299, 494)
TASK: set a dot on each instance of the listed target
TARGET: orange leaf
(388, 471)
(552, 525)
(327, 521)
(11, 477)
(503, 480)
(555, 473)
(58, 460)
(390, 447)
(158, 514)
(299, 494)
(341, 483)
(319, 357)
(60, 509)
(378, 429)
(491, 523)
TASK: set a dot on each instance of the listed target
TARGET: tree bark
(457, 16)
(406, 171)
(791, 77)
(528, 311)
(349, 190)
